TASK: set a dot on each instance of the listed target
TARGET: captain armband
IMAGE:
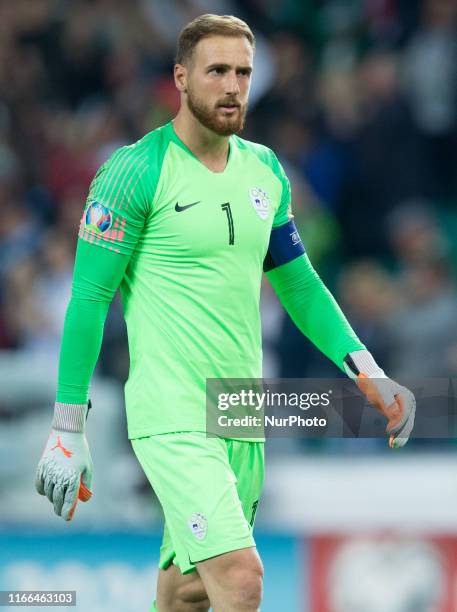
(285, 245)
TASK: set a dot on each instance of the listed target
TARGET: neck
(210, 148)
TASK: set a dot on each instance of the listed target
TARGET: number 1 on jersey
(228, 211)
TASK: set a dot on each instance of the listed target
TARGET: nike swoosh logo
(179, 208)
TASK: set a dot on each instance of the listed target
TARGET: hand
(65, 469)
(395, 402)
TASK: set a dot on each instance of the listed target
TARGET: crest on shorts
(198, 525)
(260, 201)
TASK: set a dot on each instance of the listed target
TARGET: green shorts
(209, 489)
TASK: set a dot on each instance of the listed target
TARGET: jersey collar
(175, 138)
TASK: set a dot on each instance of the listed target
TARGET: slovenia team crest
(198, 525)
(98, 218)
(260, 201)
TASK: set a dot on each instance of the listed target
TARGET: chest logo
(179, 208)
(260, 201)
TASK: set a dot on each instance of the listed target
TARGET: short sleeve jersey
(197, 241)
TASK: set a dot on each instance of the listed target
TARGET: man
(183, 222)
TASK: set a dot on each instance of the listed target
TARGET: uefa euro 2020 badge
(98, 218)
(198, 525)
(260, 201)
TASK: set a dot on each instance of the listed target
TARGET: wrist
(360, 366)
(362, 362)
(70, 417)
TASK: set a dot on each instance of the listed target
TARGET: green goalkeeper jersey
(196, 242)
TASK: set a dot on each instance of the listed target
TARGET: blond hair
(210, 25)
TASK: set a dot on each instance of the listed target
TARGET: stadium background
(359, 100)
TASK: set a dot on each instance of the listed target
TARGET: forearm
(313, 309)
(98, 272)
(81, 343)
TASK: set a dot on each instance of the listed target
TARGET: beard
(213, 118)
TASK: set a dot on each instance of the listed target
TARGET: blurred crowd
(358, 98)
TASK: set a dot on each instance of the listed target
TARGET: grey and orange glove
(394, 401)
(64, 473)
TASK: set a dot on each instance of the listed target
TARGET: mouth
(229, 108)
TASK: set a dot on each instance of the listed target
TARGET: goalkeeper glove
(395, 402)
(64, 473)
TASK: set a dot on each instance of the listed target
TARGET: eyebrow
(227, 67)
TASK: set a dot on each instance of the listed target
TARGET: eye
(244, 72)
(218, 70)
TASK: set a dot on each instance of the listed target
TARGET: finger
(403, 426)
(396, 421)
(57, 498)
(70, 499)
(49, 488)
(39, 483)
(401, 431)
(72, 510)
(397, 442)
(395, 414)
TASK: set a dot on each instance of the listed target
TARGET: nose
(232, 87)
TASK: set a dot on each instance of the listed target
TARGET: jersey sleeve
(284, 210)
(119, 202)
(285, 243)
(116, 209)
(314, 310)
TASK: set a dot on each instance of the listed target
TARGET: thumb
(85, 492)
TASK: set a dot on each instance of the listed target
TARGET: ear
(180, 74)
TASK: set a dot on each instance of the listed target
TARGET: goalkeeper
(183, 222)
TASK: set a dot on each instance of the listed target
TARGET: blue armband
(285, 245)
